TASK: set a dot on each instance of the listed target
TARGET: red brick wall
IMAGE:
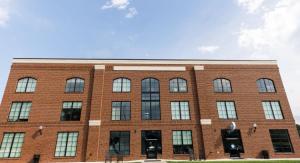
(93, 141)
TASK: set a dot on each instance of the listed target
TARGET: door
(151, 143)
(232, 142)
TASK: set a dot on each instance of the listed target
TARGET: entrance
(151, 143)
(232, 142)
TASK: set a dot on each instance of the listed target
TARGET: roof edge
(140, 61)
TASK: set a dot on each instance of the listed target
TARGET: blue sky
(201, 29)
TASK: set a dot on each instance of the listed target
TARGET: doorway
(232, 142)
(151, 143)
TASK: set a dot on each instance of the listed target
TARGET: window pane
(119, 142)
(230, 110)
(269, 85)
(175, 110)
(281, 140)
(71, 111)
(11, 145)
(79, 86)
(268, 110)
(126, 85)
(218, 85)
(173, 85)
(182, 85)
(226, 85)
(222, 110)
(31, 85)
(276, 110)
(184, 110)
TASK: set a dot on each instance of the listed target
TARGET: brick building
(92, 109)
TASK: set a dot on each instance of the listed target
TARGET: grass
(239, 161)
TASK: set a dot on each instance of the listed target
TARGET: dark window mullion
(20, 111)
(180, 116)
(121, 85)
(12, 143)
(177, 81)
(66, 144)
(272, 109)
(26, 84)
(265, 85)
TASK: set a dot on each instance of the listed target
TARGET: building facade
(61, 110)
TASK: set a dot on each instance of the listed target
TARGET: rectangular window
(180, 110)
(119, 142)
(11, 145)
(281, 140)
(71, 111)
(182, 142)
(19, 111)
(272, 110)
(226, 110)
(120, 111)
(232, 140)
(66, 144)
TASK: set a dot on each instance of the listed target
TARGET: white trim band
(140, 61)
(99, 67)
(94, 122)
(205, 121)
(196, 68)
(149, 68)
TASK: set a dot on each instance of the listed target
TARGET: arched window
(74, 85)
(178, 85)
(222, 85)
(150, 99)
(265, 85)
(121, 85)
(26, 85)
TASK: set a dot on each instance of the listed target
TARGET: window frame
(181, 134)
(274, 117)
(68, 132)
(265, 85)
(222, 85)
(177, 82)
(26, 77)
(288, 138)
(72, 111)
(74, 89)
(18, 120)
(150, 93)
(119, 133)
(12, 143)
(180, 116)
(121, 102)
(122, 79)
(236, 114)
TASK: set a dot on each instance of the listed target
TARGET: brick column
(93, 141)
(205, 119)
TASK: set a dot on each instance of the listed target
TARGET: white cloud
(208, 49)
(119, 4)
(4, 12)
(278, 37)
(131, 12)
(251, 5)
(278, 26)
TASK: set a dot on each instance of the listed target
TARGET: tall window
(182, 142)
(180, 110)
(71, 111)
(121, 85)
(226, 110)
(119, 142)
(272, 110)
(11, 145)
(66, 144)
(222, 85)
(120, 110)
(74, 85)
(281, 140)
(232, 140)
(265, 85)
(178, 85)
(19, 111)
(150, 99)
(26, 85)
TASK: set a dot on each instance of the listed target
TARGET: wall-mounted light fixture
(254, 127)
(41, 129)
